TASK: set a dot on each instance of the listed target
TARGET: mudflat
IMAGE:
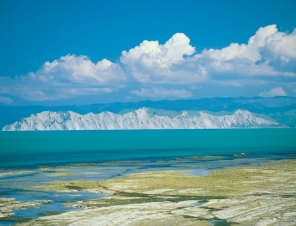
(252, 195)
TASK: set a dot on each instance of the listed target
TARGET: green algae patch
(50, 213)
(126, 198)
(15, 219)
(53, 169)
(72, 186)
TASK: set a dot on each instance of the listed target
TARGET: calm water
(31, 149)
(21, 153)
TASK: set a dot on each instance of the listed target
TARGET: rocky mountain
(142, 118)
(281, 109)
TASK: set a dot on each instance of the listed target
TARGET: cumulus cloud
(69, 76)
(161, 92)
(268, 56)
(6, 100)
(281, 44)
(80, 69)
(267, 53)
(248, 51)
(151, 62)
(256, 57)
(277, 91)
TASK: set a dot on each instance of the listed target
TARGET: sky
(58, 52)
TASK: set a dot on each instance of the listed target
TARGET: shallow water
(219, 223)
(99, 155)
(57, 205)
(198, 203)
(198, 172)
(21, 186)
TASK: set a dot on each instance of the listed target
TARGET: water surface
(34, 148)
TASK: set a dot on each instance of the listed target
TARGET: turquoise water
(31, 149)
(21, 153)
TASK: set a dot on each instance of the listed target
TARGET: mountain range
(279, 109)
(142, 118)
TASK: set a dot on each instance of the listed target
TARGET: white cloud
(253, 58)
(69, 76)
(250, 51)
(282, 44)
(278, 91)
(161, 92)
(81, 70)
(151, 53)
(269, 56)
(151, 62)
(6, 100)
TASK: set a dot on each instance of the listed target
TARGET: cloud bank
(269, 57)
(278, 91)
(69, 76)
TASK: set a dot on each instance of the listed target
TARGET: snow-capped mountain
(142, 118)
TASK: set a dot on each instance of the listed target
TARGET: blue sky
(82, 52)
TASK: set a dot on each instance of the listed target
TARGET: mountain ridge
(142, 118)
(281, 109)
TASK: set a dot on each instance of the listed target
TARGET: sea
(99, 155)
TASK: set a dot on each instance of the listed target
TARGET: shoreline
(230, 194)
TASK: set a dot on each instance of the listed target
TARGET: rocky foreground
(254, 195)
